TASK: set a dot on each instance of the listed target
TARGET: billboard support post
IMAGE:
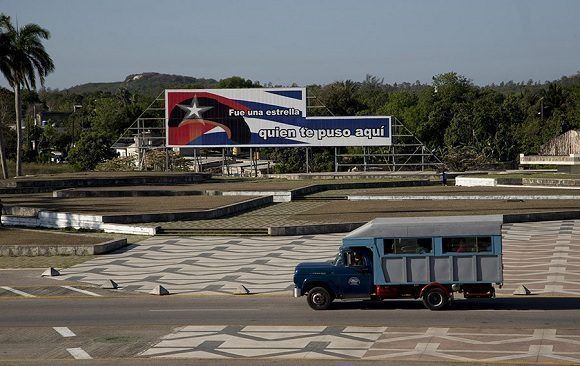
(364, 158)
(166, 159)
(224, 161)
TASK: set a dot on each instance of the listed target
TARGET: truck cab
(430, 258)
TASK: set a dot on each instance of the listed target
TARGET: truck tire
(319, 298)
(435, 299)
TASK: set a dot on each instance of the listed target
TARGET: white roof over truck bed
(414, 227)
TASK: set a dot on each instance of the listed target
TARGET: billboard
(269, 117)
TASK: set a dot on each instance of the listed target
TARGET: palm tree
(22, 59)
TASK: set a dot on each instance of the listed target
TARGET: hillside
(148, 83)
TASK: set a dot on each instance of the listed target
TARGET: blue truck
(427, 258)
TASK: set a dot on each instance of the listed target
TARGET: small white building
(562, 151)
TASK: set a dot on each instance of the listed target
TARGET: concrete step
(213, 232)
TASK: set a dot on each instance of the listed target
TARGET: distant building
(54, 118)
(565, 144)
(562, 151)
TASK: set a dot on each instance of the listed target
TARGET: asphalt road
(142, 311)
(115, 330)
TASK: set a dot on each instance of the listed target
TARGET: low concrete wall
(25, 190)
(277, 196)
(287, 196)
(524, 181)
(355, 175)
(313, 229)
(192, 215)
(56, 223)
(74, 193)
(475, 182)
(466, 198)
(541, 216)
(20, 211)
(555, 182)
(509, 181)
(182, 178)
(49, 250)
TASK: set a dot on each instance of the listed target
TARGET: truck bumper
(297, 292)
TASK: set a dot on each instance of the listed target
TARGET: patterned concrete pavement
(371, 343)
(278, 214)
(208, 265)
(543, 256)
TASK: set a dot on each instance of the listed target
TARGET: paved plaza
(208, 265)
(427, 344)
(544, 256)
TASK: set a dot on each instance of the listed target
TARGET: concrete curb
(313, 229)
(143, 179)
(445, 198)
(50, 250)
(277, 196)
(541, 216)
(75, 193)
(529, 182)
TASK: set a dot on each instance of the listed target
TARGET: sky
(306, 41)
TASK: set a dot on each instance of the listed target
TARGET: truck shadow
(506, 303)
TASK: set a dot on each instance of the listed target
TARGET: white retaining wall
(56, 220)
(475, 182)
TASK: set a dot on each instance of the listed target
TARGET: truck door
(356, 278)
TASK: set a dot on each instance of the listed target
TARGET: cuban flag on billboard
(260, 118)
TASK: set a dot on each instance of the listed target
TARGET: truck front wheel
(435, 299)
(319, 298)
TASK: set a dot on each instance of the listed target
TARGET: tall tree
(6, 114)
(23, 58)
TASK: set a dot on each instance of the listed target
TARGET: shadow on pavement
(511, 303)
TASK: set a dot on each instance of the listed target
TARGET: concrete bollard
(50, 272)
(241, 290)
(159, 291)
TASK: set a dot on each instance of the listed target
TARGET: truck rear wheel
(319, 298)
(435, 299)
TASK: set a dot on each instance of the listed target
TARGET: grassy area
(59, 237)
(61, 261)
(362, 211)
(46, 238)
(38, 168)
(122, 205)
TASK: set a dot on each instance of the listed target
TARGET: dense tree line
(452, 116)
(458, 120)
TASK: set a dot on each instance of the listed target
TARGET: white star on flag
(194, 111)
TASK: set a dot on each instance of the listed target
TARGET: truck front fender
(310, 284)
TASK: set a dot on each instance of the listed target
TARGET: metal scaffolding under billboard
(268, 117)
(149, 135)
